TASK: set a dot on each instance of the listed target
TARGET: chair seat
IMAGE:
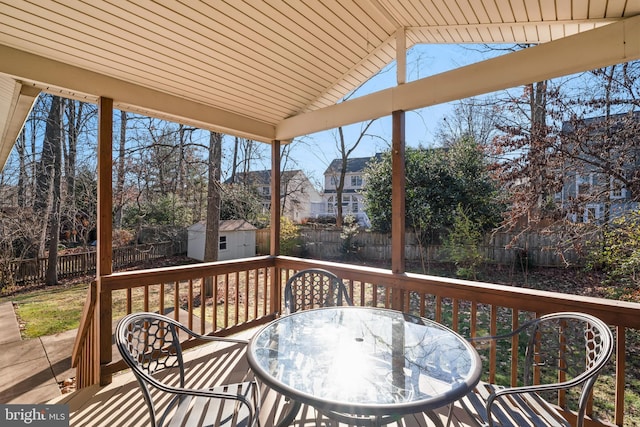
(193, 411)
(518, 410)
(149, 343)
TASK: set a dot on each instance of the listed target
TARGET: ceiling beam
(26, 66)
(611, 44)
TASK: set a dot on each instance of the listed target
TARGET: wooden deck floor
(121, 404)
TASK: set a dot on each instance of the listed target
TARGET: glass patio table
(366, 366)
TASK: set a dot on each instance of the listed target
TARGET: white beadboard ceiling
(256, 68)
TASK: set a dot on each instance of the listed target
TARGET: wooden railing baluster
(190, 305)
(515, 323)
(236, 289)
(454, 314)
(471, 308)
(620, 359)
(161, 298)
(493, 331)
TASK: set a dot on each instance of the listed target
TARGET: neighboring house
(236, 239)
(588, 194)
(297, 193)
(354, 181)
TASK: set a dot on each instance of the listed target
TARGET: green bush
(350, 229)
(462, 245)
(619, 254)
(290, 240)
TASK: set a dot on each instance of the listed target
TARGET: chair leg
(290, 415)
(449, 414)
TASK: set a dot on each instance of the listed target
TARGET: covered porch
(271, 72)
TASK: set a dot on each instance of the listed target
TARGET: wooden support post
(275, 225)
(105, 192)
(104, 247)
(398, 184)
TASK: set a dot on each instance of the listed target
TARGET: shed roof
(225, 225)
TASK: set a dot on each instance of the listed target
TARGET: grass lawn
(49, 310)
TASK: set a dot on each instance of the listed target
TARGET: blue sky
(422, 61)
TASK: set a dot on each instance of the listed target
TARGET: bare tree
(345, 150)
(21, 146)
(213, 198)
(471, 118)
(118, 194)
(49, 182)
(577, 147)
(234, 159)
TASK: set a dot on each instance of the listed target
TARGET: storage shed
(236, 239)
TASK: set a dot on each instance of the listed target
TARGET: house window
(223, 243)
(584, 183)
(330, 205)
(617, 192)
(591, 214)
(617, 189)
(356, 181)
(266, 191)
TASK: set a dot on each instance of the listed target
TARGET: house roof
(263, 177)
(274, 70)
(596, 124)
(356, 164)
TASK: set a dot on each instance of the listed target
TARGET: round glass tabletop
(366, 361)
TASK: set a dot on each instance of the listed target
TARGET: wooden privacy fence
(501, 248)
(80, 264)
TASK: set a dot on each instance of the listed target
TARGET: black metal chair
(149, 343)
(563, 353)
(314, 288)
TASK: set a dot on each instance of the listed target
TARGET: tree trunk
(44, 173)
(538, 135)
(345, 153)
(75, 119)
(53, 133)
(340, 183)
(234, 162)
(180, 190)
(213, 204)
(22, 172)
(119, 190)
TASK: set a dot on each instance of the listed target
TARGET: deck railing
(225, 297)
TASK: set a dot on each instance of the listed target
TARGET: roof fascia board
(502, 26)
(20, 105)
(128, 96)
(603, 46)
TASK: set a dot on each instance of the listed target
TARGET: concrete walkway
(31, 369)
